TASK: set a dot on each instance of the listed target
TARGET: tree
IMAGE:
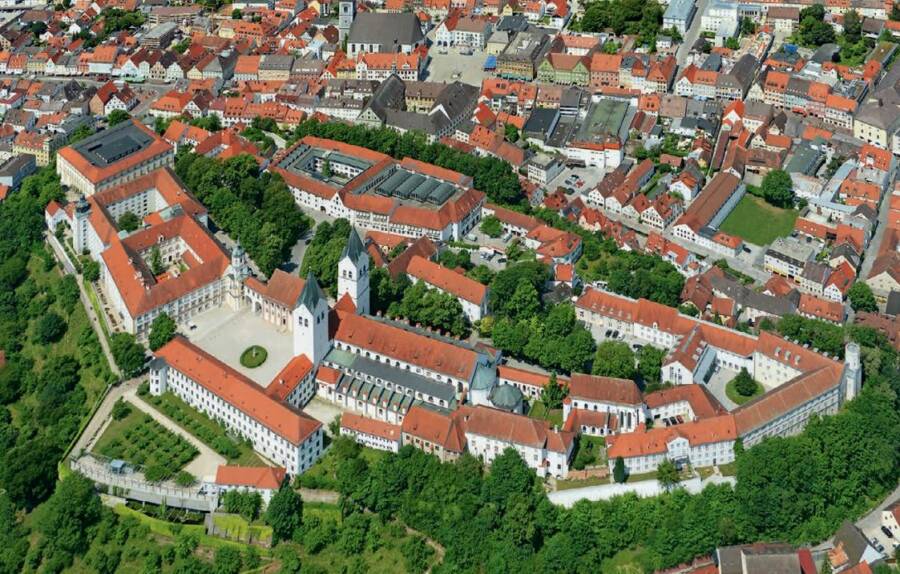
(744, 384)
(50, 328)
(619, 473)
(116, 117)
(511, 133)
(90, 270)
(128, 354)
(778, 189)
(552, 393)
(227, 561)
(416, 554)
(491, 226)
(852, 26)
(157, 267)
(70, 514)
(650, 363)
(667, 474)
(813, 30)
(614, 359)
(129, 222)
(748, 27)
(162, 330)
(862, 298)
(285, 513)
(525, 302)
(236, 14)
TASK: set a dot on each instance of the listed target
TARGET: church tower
(353, 273)
(310, 317)
(240, 270)
(346, 14)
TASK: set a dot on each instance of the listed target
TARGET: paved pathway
(68, 268)
(100, 420)
(206, 463)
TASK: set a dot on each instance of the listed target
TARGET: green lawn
(539, 411)
(254, 356)
(140, 440)
(757, 222)
(205, 429)
(738, 398)
(624, 562)
(729, 469)
(567, 484)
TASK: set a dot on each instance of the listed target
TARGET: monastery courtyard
(226, 334)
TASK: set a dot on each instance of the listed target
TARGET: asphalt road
(692, 34)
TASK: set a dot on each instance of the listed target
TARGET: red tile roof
(447, 280)
(364, 425)
(261, 477)
(604, 389)
(237, 390)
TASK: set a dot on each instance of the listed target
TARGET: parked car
(887, 531)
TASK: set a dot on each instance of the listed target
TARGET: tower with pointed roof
(353, 274)
(310, 318)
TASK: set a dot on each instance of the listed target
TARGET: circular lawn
(254, 356)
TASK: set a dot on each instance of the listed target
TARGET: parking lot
(587, 177)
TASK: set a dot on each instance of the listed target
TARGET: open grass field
(624, 562)
(539, 411)
(205, 429)
(140, 440)
(757, 222)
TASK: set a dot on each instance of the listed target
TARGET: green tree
(619, 472)
(852, 26)
(129, 222)
(667, 474)
(748, 27)
(157, 267)
(511, 133)
(491, 226)
(324, 253)
(70, 515)
(284, 513)
(813, 30)
(416, 554)
(162, 330)
(862, 298)
(552, 394)
(614, 359)
(650, 361)
(744, 384)
(129, 355)
(90, 270)
(778, 189)
(227, 561)
(50, 328)
(236, 14)
(116, 117)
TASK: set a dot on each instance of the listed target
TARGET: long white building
(283, 435)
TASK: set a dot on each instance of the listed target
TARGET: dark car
(887, 531)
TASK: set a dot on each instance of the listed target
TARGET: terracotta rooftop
(237, 390)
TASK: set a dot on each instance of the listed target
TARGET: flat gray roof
(113, 144)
